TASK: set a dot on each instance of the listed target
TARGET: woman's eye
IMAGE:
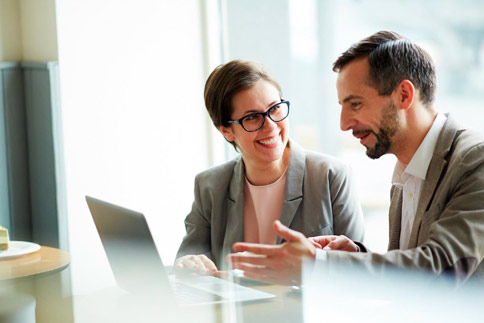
(251, 117)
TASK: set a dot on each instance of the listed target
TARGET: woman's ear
(406, 92)
(227, 133)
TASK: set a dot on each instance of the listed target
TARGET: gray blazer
(319, 199)
(448, 232)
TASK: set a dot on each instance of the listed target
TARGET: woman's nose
(269, 124)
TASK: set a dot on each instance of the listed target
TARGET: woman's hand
(334, 243)
(195, 264)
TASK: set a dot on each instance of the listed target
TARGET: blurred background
(126, 120)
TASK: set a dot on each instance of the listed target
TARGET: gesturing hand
(279, 264)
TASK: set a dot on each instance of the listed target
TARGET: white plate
(18, 248)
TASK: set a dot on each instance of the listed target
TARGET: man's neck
(418, 123)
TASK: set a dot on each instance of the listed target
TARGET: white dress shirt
(410, 178)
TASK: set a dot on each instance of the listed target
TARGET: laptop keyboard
(186, 294)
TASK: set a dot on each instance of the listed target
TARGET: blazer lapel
(430, 184)
(293, 193)
(235, 209)
(395, 218)
(432, 178)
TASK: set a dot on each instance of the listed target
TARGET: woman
(272, 179)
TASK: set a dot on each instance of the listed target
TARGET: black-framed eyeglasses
(255, 121)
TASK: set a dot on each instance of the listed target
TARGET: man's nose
(347, 121)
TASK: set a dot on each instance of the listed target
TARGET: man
(386, 88)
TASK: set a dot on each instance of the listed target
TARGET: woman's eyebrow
(270, 105)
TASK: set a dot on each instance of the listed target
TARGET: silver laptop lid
(130, 248)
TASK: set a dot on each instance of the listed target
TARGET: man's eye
(250, 117)
(355, 105)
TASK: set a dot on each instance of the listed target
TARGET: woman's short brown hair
(227, 80)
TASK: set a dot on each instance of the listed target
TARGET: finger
(315, 244)
(254, 260)
(288, 234)
(185, 263)
(246, 267)
(260, 277)
(341, 243)
(266, 275)
(323, 241)
(200, 265)
(336, 244)
(261, 249)
(179, 266)
(208, 263)
(185, 266)
(223, 274)
(193, 263)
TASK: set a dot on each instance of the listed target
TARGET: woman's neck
(267, 173)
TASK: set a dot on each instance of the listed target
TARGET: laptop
(138, 268)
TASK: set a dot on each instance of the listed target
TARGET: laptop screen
(129, 247)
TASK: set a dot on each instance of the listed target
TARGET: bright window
(299, 40)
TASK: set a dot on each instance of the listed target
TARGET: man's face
(373, 118)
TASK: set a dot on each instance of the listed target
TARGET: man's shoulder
(465, 135)
(460, 141)
(465, 155)
(469, 143)
(471, 137)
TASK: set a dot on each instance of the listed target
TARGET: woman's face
(267, 144)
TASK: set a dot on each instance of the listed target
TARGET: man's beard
(388, 128)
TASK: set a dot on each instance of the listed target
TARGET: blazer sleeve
(347, 214)
(198, 227)
(455, 240)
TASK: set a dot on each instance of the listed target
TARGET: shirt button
(410, 195)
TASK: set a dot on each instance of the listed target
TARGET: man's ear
(406, 94)
(227, 133)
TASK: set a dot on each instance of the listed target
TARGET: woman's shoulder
(219, 172)
(326, 165)
(318, 160)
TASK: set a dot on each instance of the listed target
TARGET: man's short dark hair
(392, 59)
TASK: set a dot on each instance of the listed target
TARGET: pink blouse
(262, 206)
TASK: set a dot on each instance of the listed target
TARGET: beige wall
(10, 31)
(39, 35)
(28, 30)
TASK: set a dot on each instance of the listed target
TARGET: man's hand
(195, 264)
(272, 264)
(334, 243)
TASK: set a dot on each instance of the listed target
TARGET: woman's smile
(270, 141)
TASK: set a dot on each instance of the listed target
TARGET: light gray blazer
(319, 199)
(448, 232)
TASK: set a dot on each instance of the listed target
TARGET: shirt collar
(420, 161)
(397, 174)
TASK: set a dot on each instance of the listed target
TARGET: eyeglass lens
(276, 113)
